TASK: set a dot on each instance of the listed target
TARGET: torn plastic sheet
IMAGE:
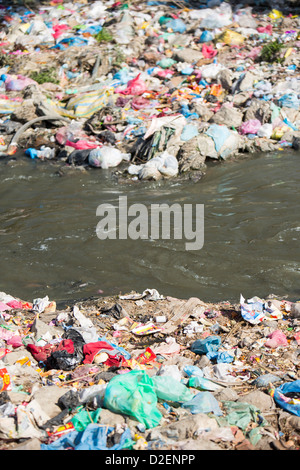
(94, 437)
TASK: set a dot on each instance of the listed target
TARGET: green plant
(271, 52)
(104, 35)
(45, 76)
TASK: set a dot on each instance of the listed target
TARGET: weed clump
(271, 52)
(45, 76)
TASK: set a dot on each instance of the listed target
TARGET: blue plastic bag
(219, 134)
(210, 344)
(206, 36)
(203, 402)
(288, 403)
(193, 371)
(188, 132)
(94, 437)
(177, 25)
(289, 101)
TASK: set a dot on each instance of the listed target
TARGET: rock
(258, 109)
(188, 55)
(47, 397)
(185, 428)
(245, 445)
(16, 355)
(239, 99)
(18, 397)
(29, 444)
(190, 156)
(204, 113)
(245, 82)
(26, 112)
(226, 394)
(40, 329)
(230, 117)
(110, 418)
(224, 78)
(257, 398)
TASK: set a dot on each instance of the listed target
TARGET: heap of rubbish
(144, 371)
(157, 88)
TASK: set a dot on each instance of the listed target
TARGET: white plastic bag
(106, 157)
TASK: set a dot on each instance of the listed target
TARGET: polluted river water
(49, 245)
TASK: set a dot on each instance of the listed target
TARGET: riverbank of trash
(144, 371)
(163, 87)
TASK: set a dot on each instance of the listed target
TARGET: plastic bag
(287, 396)
(133, 394)
(125, 32)
(276, 338)
(188, 132)
(177, 25)
(289, 101)
(225, 140)
(250, 127)
(253, 310)
(193, 371)
(206, 36)
(203, 402)
(169, 389)
(240, 414)
(83, 418)
(214, 21)
(106, 157)
(94, 437)
(232, 38)
(208, 51)
(136, 86)
(265, 130)
(203, 384)
(207, 345)
(17, 83)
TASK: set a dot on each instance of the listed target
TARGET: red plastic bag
(136, 86)
(208, 51)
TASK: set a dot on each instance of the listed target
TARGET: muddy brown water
(48, 242)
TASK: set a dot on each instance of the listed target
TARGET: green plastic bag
(169, 389)
(133, 394)
(83, 418)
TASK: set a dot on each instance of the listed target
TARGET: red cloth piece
(41, 353)
(90, 350)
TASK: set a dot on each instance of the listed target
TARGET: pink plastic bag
(83, 144)
(59, 30)
(18, 84)
(277, 338)
(136, 86)
(265, 29)
(15, 341)
(140, 103)
(208, 51)
(250, 127)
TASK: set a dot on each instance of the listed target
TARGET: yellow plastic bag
(275, 14)
(232, 38)
(278, 132)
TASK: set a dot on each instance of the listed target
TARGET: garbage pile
(159, 87)
(143, 371)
